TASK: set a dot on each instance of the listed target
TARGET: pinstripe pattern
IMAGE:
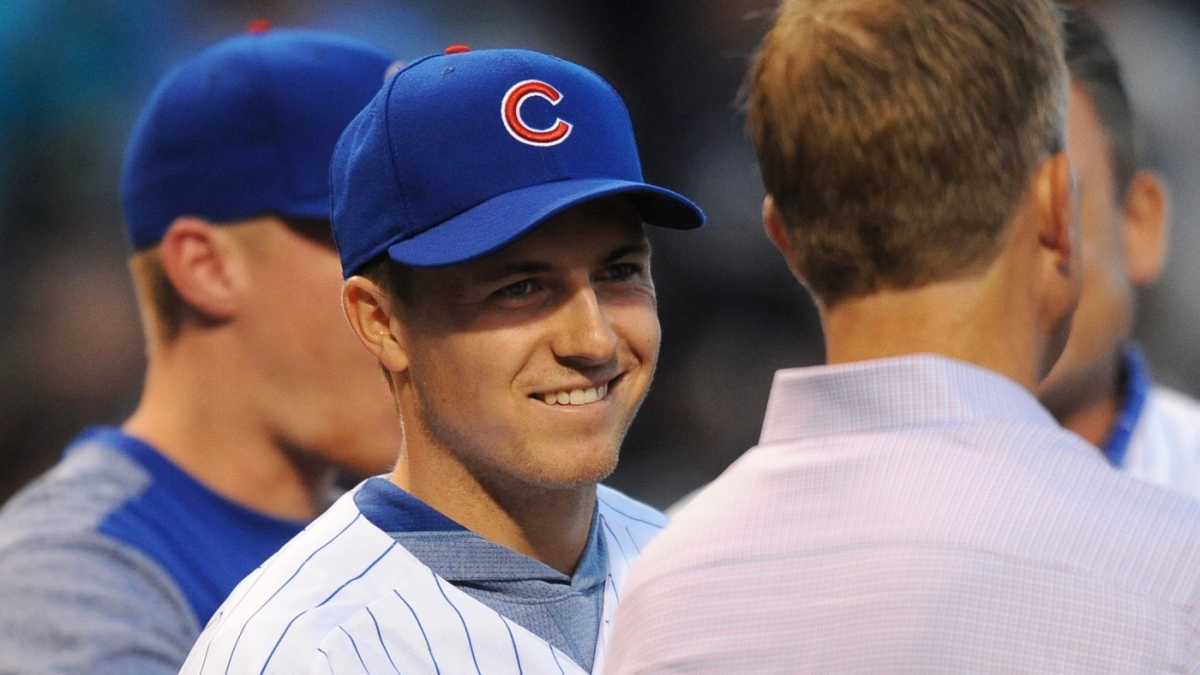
(343, 597)
(917, 515)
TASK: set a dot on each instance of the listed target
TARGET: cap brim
(498, 221)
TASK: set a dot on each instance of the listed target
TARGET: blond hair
(162, 308)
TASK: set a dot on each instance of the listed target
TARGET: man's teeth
(576, 396)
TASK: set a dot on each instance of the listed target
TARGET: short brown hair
(897, 136)
(390, 276)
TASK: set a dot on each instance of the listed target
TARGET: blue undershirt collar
(393, 509)
(1135, 387)
(455, 552)
(564, 610)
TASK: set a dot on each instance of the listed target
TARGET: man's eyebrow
(513, 269)
(641, 248)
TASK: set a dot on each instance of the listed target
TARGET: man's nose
(583, 333)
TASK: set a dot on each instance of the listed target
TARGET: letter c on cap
(510, 112)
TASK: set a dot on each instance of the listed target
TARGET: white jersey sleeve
(1165, 446)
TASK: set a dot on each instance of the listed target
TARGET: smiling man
(488, 209)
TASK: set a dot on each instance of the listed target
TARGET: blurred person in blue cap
(255, 391)
(1102, 387)
(488, 207)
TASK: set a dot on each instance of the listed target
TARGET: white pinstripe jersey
(344, 597)
(1165, 447)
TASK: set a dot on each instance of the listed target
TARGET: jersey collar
(1135, 386)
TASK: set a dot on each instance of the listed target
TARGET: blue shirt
(205, 542)
(113, 560)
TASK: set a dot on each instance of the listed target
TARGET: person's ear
(1146, 223)
(204, 266)
(778, 233)
(1056, 195)
(372, 315)
(1059, 268)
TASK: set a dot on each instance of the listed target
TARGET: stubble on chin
(525, 467)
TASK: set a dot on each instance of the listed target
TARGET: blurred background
(74, 73)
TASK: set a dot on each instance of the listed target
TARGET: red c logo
(510, 112)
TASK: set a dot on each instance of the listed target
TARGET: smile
(574, 396)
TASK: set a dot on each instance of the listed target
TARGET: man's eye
(622, 272)
(520, 289)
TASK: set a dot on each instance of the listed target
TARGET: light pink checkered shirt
(916, 515)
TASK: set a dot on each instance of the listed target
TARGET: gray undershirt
(565, 611)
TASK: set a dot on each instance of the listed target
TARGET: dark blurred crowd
(72, 76)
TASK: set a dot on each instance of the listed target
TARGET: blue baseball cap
(461, 153)
(246, 128)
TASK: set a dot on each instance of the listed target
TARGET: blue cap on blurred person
(246, 128)
(463, 152)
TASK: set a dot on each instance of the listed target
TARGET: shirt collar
(1135, 387)
(458, 554)
(393, 509)
(903, 391)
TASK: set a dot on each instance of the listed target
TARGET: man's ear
(1056, 194)
(203, 266)
(1053, 209)
(372, 315)
(778, 233)
(1146, 222)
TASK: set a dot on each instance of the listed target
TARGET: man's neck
(1091, 404)
(209, 429)
(1094, 421)
(955, 319)
(548, 525)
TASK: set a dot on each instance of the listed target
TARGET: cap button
(258, 26)
(457, 49)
